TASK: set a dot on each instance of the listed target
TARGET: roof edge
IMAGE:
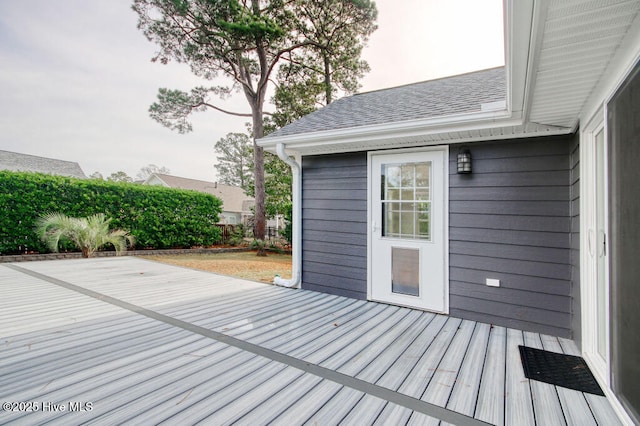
(521, 22)
(395, 130)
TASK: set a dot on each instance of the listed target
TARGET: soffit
(316, 144)
(571, 54)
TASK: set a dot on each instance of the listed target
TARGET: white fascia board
(393, 131)
(519, 52)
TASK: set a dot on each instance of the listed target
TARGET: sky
(76, 78)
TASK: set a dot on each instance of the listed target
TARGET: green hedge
(158, 217)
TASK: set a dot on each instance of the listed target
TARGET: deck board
(61, 345)
(211, 375)
(396, 353)
(335, 352)
(491, 396)
(393, 414)
(279, 402)
(419, 378)
(311, 402)
(602, 410)
(445, 375)
(366, 411)
(464, 395)
(574, 404)
(303, 328)
(546, 404)
(404, 365)
(518, 398)
(335, 409)
(331, 338)
(362, 349)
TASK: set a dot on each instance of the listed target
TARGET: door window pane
(393, 194)
(423, 172)
(407, 223)
(422, 194)
(407, 195)
(408, 176)
(392, 176)
(406, 200)
(392, 222)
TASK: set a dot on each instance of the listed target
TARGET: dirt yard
(243, 265)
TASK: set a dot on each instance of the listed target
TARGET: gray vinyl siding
(515, 218)
(511, 220)
(576, 326)
(334, 224)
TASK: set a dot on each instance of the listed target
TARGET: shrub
(88, 234)
(157, 217)
(260, 246)
(237, 236)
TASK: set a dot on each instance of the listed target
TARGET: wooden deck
(125, 340)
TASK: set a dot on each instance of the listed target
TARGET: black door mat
(557, 369)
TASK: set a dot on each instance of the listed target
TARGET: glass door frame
(594, 213)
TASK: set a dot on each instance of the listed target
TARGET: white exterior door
(408, 239)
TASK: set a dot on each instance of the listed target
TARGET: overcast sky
(76, 79)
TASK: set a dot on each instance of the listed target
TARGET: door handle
(602, 251)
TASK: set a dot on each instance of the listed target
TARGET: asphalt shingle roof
(455, 95)
(16, 162)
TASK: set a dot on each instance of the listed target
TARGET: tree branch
(277, 57)
(237, 114)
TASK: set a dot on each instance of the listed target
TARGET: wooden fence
(227, 230)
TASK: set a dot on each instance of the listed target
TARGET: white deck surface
(144, 347)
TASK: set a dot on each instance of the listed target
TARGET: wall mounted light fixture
(464, 161)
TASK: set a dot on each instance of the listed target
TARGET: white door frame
(589, 246)
(445, 193)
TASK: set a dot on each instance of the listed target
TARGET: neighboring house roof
(560, 60)
(233, 197)
(17, 162)
(468, 93)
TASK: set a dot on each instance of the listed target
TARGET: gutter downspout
(296, 221)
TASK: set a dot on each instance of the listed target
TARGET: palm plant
(88, 234)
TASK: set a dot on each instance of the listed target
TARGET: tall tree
(337, 31)
(313, 78)
(235, 160)
(243, 40)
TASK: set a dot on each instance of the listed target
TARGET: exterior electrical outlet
(493, 283)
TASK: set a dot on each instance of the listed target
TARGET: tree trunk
(327, 80)
(256, 100)
(258, 174)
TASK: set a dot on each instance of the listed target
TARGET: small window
(406, 200)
